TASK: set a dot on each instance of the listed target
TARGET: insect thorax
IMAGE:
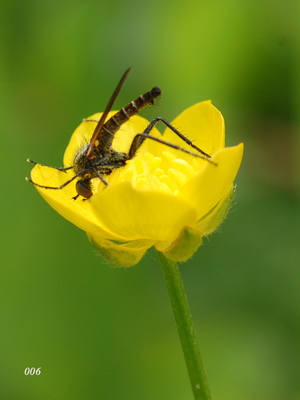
(103, 162)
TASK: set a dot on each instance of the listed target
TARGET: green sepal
(184, 246)
(214, 219)
(121, 255)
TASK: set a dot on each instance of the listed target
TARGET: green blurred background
(108, 333)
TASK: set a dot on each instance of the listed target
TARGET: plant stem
(185, 327)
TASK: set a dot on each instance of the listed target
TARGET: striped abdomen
(110, 127)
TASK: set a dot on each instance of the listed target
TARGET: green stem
(185, 328)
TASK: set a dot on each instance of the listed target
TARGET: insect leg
(140, 137)
(100, 177)
(58, 187)
(184, 138)
(58, 168)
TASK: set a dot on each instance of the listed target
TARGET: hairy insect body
(104, 163)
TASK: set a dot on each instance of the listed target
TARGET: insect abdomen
(113, 124)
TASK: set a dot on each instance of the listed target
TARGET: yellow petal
(205, 189)
(76, 211)
(139, 214)
(203, 124)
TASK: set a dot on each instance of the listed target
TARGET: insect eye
(83, 189)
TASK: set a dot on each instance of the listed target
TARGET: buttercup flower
(162, 197)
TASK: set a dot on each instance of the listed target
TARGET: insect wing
(105, 113)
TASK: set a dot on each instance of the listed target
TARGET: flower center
(148, 172)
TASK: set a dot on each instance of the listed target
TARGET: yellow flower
(162, 197)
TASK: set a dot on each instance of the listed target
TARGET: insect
(98, 159)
